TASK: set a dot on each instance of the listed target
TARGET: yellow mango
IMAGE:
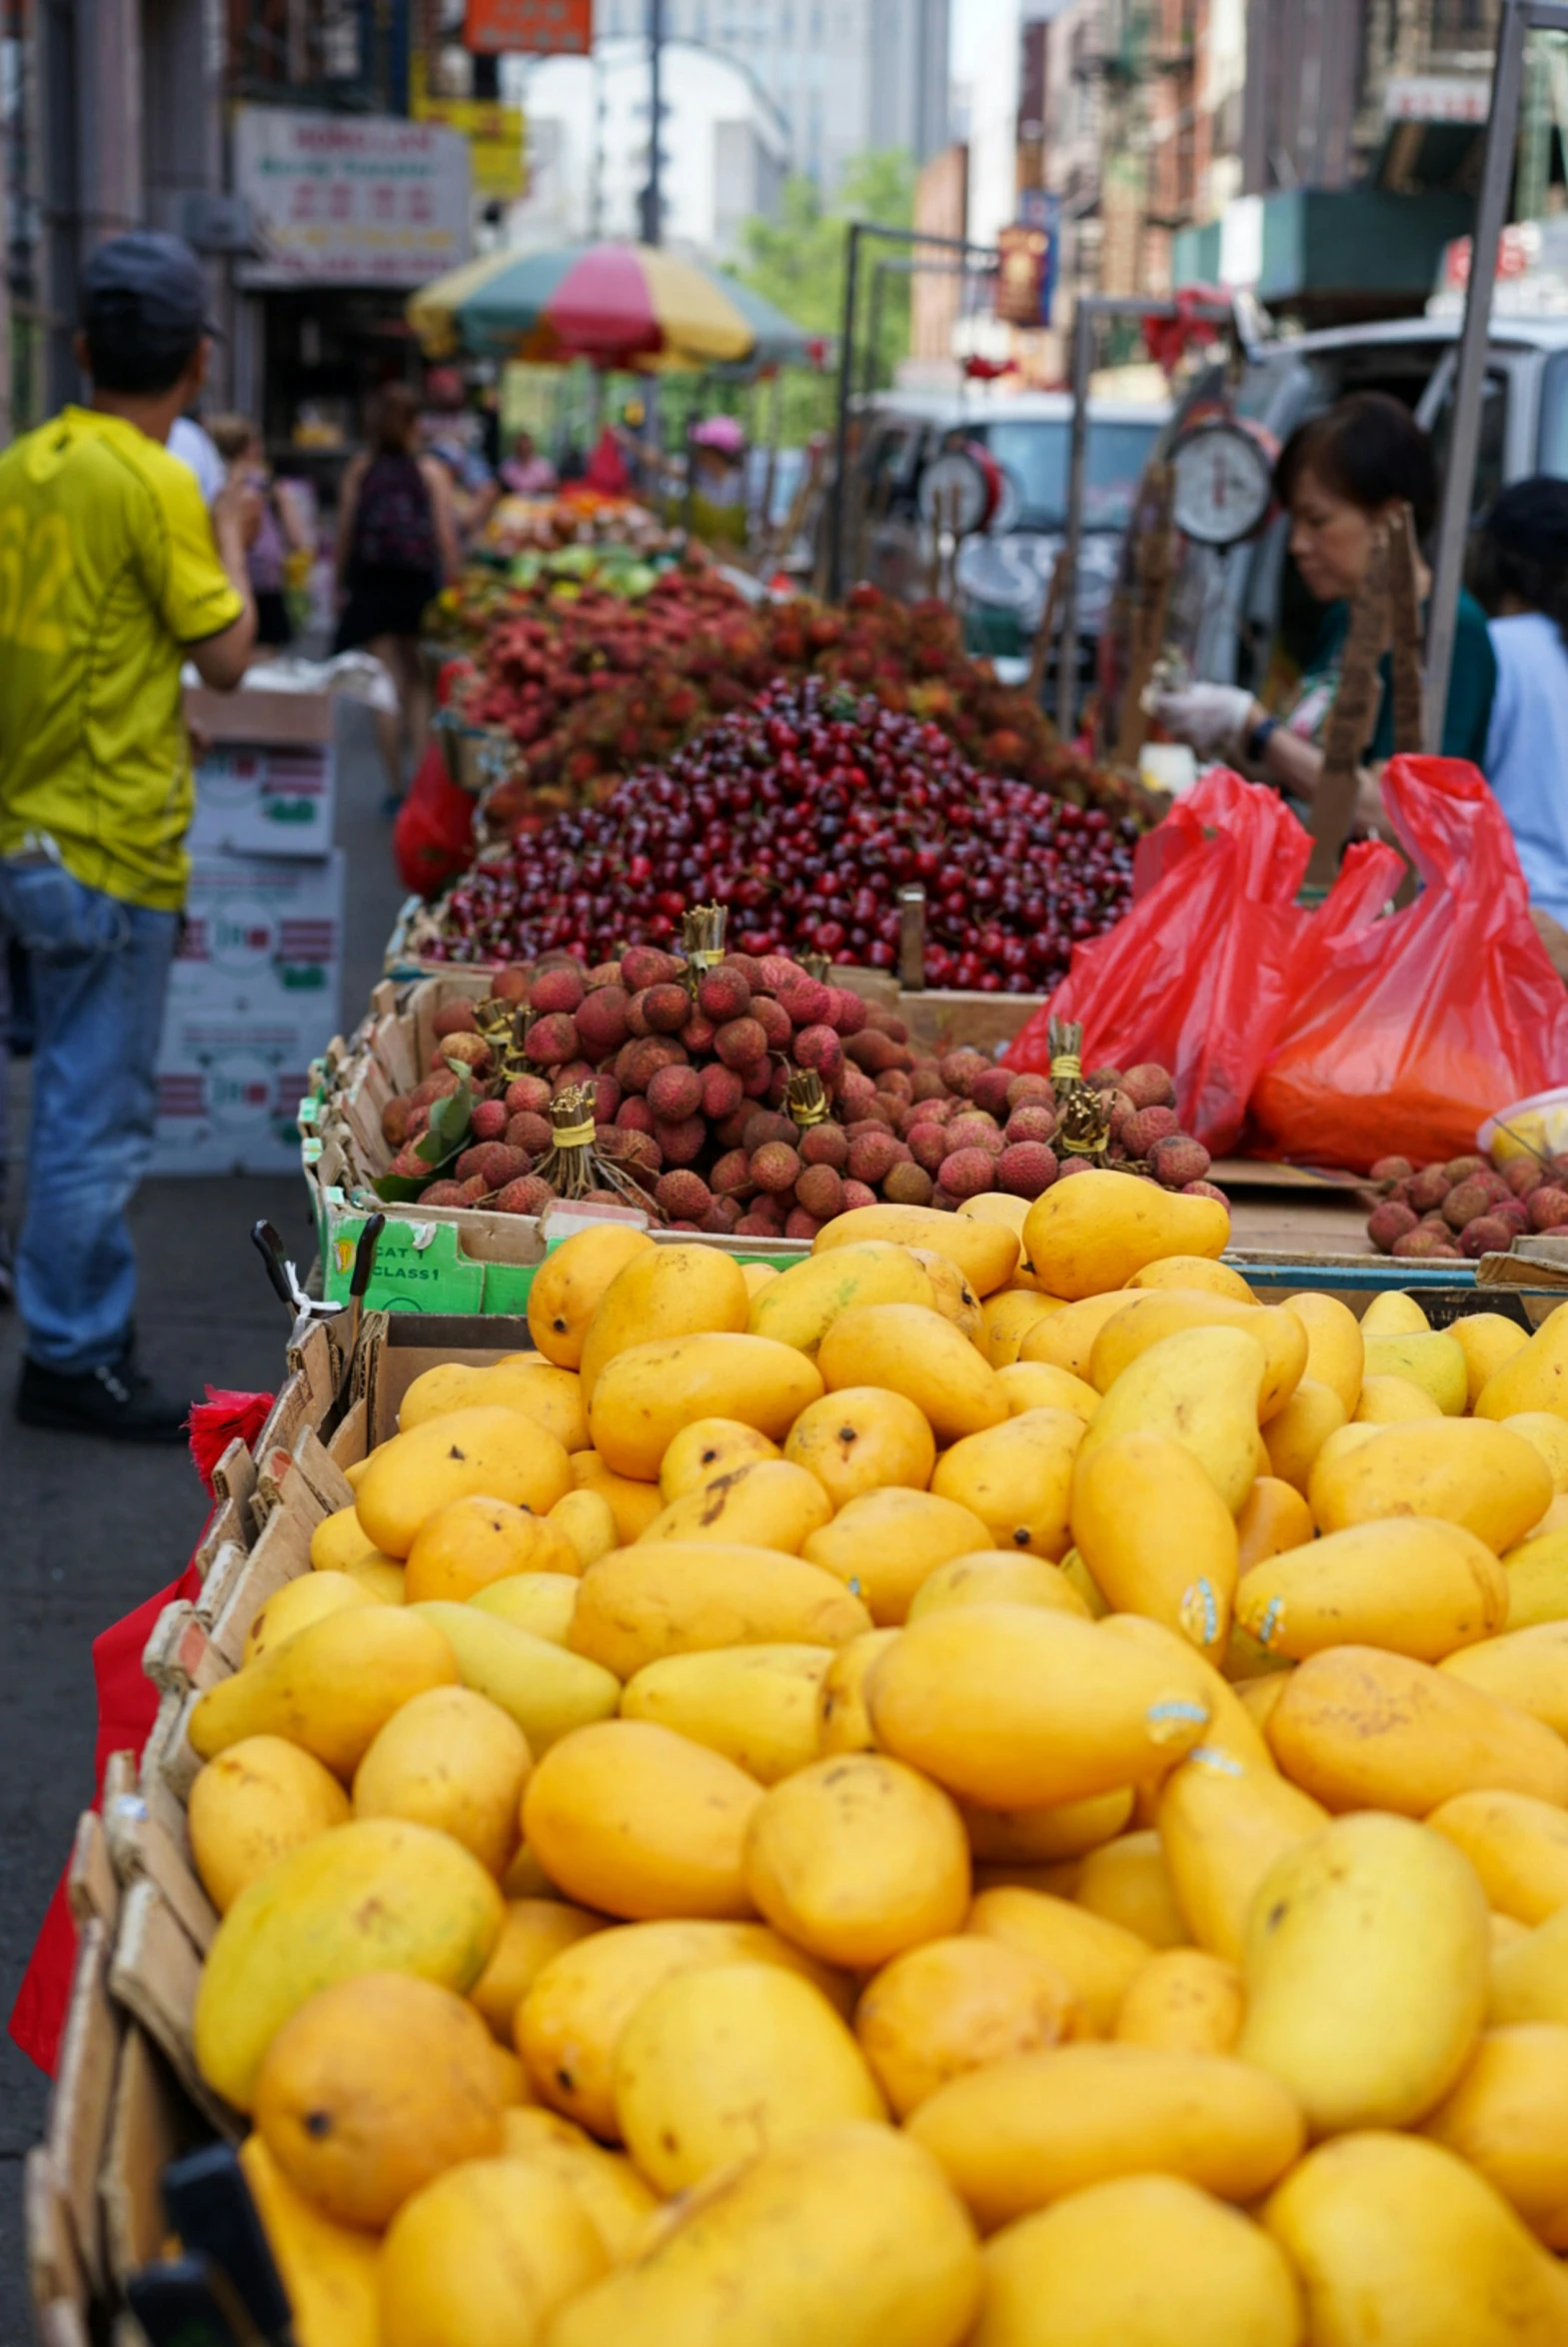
(307, 1598)
(1032, 2129)
(543, 1602)
(376, 1895)
(255, 1801)
(1185, 2001)
(1394, 1313)
(1257, 1696)
(802, 1305)
(1169, 1312)
(716, 2067)
(856, 1858)
(1433, 1362)
(1016, 1478)
(1359, 1728)
(1074, 1569)
(1097, 1958)
(1193, 1271)
(1508, 2119)
(1295, 1434)
(1035, 1838)
(525, 1878)
(1229, 1724)
(1154, 1532)
(763, 1503)
(338, 1540)
(1066, 1340)
(1470, 1472)
(548, 1690)
(885, 1543)
(570, 2020)
(633, 1503)
(485, 2255)
(1530, 1976)
(605, 2182)
(1535, 1376)
(1518, 1848)
(917, 1354)
(1412, 1584)
(1486, 1340)
(1341, 1443)
(532, 1935)
(1013, 1708)
(1127, 1881)
(706, 1449)
(687, 1597)
(1140, 2261)
(332, 2273)
(1549, 1435)
(757, 1276)
(1273, 1516)
(1393, 1401)
(452, 1759)
(489, 1452)
(754, 1704)
(1528, 1669)
(986, 1252)
(638, 1821)
(331, 1687)
(1009, 1319)
(1365, 1971)
(379, 1576)
(843, 1722)
(471, 1543)
(1200, 1389)
(861, 1439)
(662, 1294)
(955, 2005)
(551, 1398)
(1040, 1386)
(371, 2088)
(850, 2236)
(353, 1473)
(570, 1284)
(1092, 1234)
(1393, 2239)
(1537, 1579)
(997, 1577)
(1222, 1826)
(646, 1393)
(1336, 1348)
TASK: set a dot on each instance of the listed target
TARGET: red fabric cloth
(606, 467)
(126, 1708)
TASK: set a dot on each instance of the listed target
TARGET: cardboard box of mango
(1004, 1794)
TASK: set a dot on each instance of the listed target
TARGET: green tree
(797, 262)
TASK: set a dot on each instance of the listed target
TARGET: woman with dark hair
(1339, 477)
(1519, 570)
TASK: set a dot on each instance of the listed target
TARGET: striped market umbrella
(614, 305)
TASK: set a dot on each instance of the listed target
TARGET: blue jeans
(100, 973)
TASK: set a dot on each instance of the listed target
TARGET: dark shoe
(114, 1401)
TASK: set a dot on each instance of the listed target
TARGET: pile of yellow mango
(985, 1791)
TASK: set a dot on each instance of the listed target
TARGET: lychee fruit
(775, 1168)
(723, 1093)
(846, 1010)
(1524, 1176)
(1030, 1088)
(698, 1035)
(972, 1131)
(1548, 1207)
(824, 1145)
(454, 1018)
(819, 1048)
(820, 1190)
(1149, 1085)
(928, 1145)
(642, 1061)
(527, 1130)
(805, 999)
(683, 1195)
(731, 1174)
(1177, 1159)
(774, 1019)
(681, 1140)
(1030, 1121)
(445, 1193)
(552, 1040)
(675, 1092)
(527, 1091)
(467, 1051)
(395, 1117)
(968, 1173)
(1148, 1125)
(1389, 1221)
(602, 1021)
(647, 965)
(1392, 1170)
(765, 1124)
(873, 1157)
(720, 1217)
(559, 989)
(742, 1044)
(801, 1225)
(1429, 1189)
(1487, 1234)
(1026, 1167)
(1465, 1202)
(666, 1008)
(908, 1186)
(634, 1115)
(857, 1195)
(529, 1196)
(722, 995)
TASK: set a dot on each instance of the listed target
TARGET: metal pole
(1491, 211)
(1067, 666)
(873, 325)
(840, 485)
(652, 195)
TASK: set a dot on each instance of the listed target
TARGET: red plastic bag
(1412, 1030)
(1199, 975)
(433, 838)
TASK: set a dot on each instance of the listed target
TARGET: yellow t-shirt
(107, 570)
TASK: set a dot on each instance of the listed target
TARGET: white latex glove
(1213, 718)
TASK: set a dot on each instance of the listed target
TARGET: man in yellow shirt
(111, 575)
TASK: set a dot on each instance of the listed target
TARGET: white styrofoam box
(265, 933)
(265, 779)
(229, 1087)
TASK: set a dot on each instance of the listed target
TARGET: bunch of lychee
(691, 1089)
(1466, 1208)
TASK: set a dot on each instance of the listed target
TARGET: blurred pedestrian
(397, 546)
(1519, 570)
(527, 473)
(126, 578)
(282, 530)
(452, 433)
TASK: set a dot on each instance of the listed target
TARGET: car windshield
(1036, 454)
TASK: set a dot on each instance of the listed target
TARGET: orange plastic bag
(1198, 976)
(1411, 1032)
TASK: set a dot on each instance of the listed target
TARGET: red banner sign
(549, 27)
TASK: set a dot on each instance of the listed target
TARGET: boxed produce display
(834, 1807)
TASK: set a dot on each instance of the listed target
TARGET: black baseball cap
(152, 280)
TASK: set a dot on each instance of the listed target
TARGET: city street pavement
(88, 1529)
